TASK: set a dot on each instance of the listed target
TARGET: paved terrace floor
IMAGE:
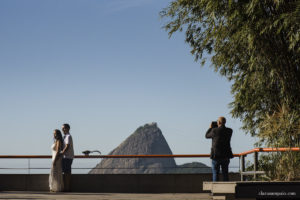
(102, 196)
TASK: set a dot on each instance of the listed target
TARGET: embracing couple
(62, 158)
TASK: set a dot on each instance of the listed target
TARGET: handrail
(240, 155)
(281, 149)
(255, 162)
(114, 156)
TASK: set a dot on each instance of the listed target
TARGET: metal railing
(166, 169)
(255, 151)
(241, 156)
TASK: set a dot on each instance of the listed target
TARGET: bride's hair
(58, 136)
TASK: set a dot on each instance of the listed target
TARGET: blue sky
(106, 67)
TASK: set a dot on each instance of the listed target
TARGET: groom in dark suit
(221, 149)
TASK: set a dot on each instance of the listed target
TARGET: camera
(214, 124)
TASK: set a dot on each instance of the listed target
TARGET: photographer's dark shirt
(221, 137)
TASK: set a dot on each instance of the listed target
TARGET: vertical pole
(28, 165)
(255, 164)
(242, 167)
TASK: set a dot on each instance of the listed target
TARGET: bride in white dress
(56, 177)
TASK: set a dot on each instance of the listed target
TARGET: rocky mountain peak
(146, 140)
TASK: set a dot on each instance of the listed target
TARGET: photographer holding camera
(221, 150)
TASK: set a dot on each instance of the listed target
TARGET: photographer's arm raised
(209, 132)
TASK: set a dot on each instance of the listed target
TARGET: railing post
(255, 164)
(242, 166)
(28, 165)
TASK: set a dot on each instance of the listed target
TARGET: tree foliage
(281, 129)
(255, 44)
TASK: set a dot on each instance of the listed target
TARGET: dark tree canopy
(254, 43)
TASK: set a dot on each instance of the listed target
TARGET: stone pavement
(101, 196)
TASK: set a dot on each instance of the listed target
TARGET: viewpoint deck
(102, 196)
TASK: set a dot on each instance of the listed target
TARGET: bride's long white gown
(56, 178)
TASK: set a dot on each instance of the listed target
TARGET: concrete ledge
(21, 182)
(253, 190)
(220, 187)
(113, 183)
(220, 190)
(207, 186)
(224, 187)
(219, 198)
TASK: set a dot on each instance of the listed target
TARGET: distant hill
(146, 140)
(190, 168)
